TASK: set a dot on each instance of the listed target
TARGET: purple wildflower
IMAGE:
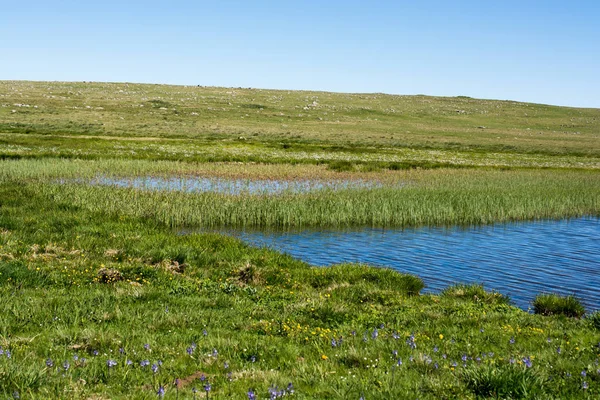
(147, 347)
(399, 363)
(583, 373)
(95, 352)
(111, 363)
(375, 334)
(144, 363)
(215, 353)
(205, 332)
(558, 350)
(154, 368)
(129, 362)
(512, 340)
(66, 365)
(121, 350)
(226, 365)
(290, 388)
(7, 353)
(75, 357)
(161, 391)
(435, 349)
(49, 363)
(207, 387)
(251, 395)
(253, 358)
(189, 350)
(527, 362)
(202, 377)
(584, 385)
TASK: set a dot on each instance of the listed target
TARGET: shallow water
(516, 259)
(232, 186)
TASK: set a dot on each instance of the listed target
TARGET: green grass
(295, 117)
(270, 317)
(102, 274)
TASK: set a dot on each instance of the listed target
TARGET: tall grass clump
(553, 304)
(507, 382)
(475, 293)
(595, 320)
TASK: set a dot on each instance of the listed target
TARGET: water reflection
(518, 259)
(232, 186)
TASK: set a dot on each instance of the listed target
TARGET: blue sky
(538, 51)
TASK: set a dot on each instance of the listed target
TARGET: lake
(517, 259)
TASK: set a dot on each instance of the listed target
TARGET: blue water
(517, 259)
(193, 184)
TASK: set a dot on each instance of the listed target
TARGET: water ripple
(518, 259)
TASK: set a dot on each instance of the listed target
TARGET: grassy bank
(180, 308)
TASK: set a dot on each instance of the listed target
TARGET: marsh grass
(447, 199)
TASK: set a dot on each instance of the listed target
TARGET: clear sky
(538, 51)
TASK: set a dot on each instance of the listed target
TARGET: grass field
(102, 299)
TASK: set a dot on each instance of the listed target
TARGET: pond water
(231, 186)
(520, 260)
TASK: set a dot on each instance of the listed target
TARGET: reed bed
(406, 198)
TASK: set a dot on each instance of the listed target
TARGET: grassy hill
(102, 297)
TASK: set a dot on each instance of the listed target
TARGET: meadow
(102, 297)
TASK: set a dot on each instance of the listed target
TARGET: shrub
(553, 304)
